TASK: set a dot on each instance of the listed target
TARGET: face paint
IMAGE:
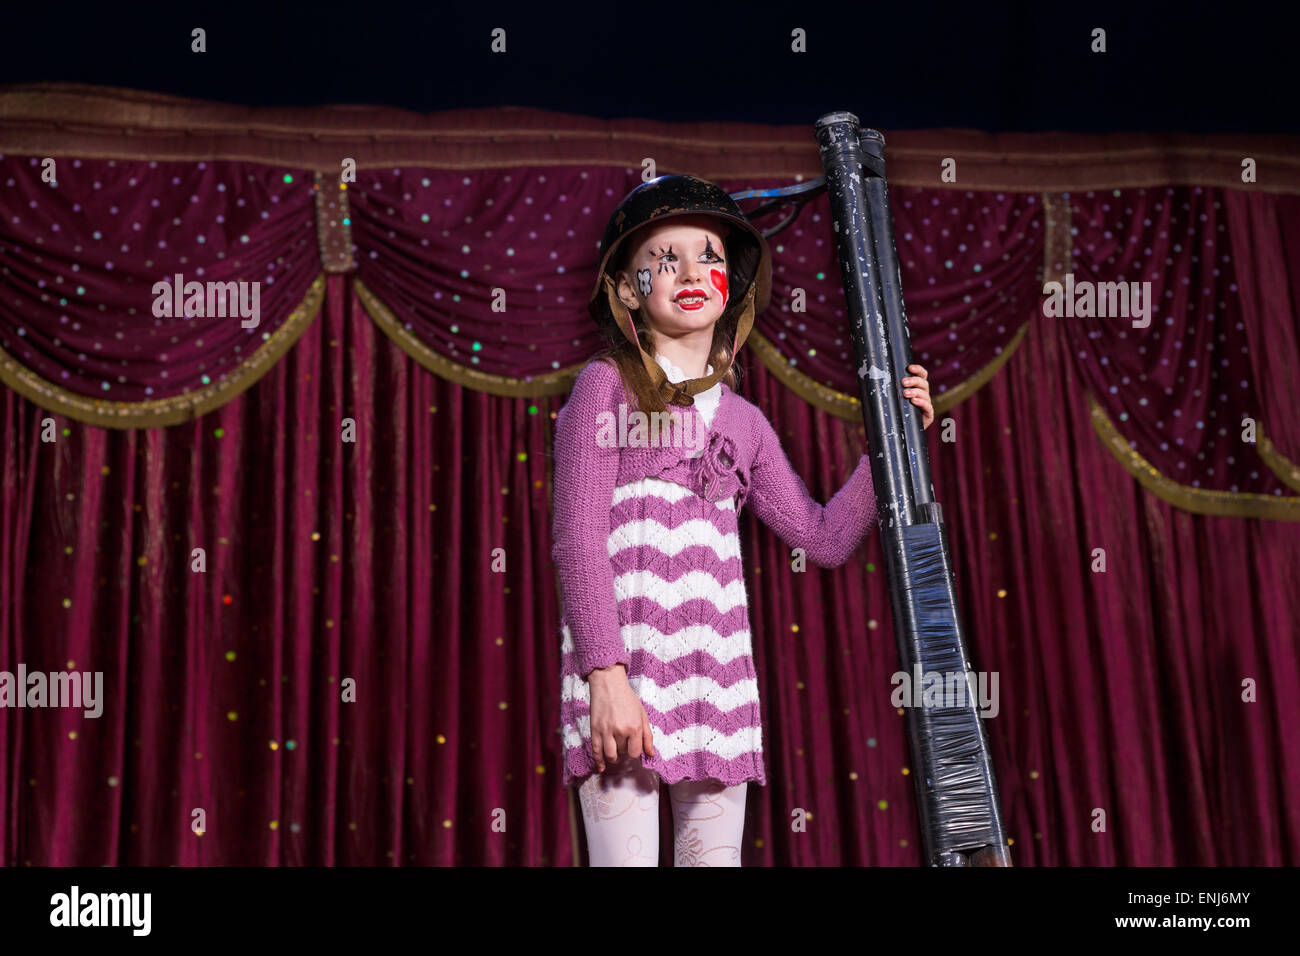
(665, 266)
(719, 280)
(643, 280)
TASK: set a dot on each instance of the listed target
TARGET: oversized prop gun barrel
(957, 795)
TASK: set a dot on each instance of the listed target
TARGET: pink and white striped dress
(647, 544)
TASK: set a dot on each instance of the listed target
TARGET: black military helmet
(749, 264)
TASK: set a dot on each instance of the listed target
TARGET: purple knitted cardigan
(742, 458)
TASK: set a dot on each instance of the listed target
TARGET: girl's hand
(919, 393)
(619, 726)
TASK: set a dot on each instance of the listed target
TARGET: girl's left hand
(919, 393)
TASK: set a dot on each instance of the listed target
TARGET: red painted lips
(691, 293)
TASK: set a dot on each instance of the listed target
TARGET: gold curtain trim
(1056, 232)
(1229, 504)
(849, 407)
(551, 383)
(1287, 471)
(178, 408)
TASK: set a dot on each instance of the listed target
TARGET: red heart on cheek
(719, 280)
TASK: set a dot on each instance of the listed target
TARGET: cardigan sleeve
(584, 479)
(828, 534)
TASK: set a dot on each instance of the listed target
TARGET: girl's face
(677, 275)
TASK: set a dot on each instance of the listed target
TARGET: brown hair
(625, 358)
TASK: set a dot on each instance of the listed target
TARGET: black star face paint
(667, 261)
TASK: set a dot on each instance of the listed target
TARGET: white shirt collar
(673, 372)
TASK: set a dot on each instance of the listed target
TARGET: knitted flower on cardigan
(719, 475)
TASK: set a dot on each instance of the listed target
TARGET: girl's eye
(715, 256)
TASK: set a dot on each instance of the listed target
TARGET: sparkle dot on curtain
(1002, 592)
(871, 741)
(232, 715)
(883, 804)
(290, 744)
(230, 655)
(441, 739)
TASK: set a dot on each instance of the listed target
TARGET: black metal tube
(956, 790)
(891, 288)
(882, 411)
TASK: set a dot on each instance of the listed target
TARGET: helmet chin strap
(679, 393)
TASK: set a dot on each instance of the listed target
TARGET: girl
(658, 679)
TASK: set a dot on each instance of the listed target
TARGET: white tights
(620, 810)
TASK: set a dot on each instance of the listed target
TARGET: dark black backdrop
(1197, 67)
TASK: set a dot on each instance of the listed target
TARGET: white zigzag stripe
(686, 691)
(670, 594)
(743, 741)
(650, 533)
(670, 491)
(669, 647)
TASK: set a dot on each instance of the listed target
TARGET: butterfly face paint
(643, 280)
